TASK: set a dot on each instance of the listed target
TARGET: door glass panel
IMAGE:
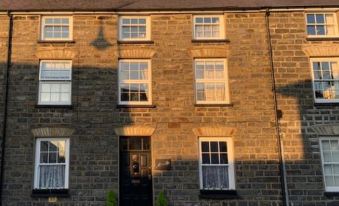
(135, 143)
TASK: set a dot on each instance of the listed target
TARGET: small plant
(111, 199)
(162, 201)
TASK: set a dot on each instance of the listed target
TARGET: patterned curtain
(52, 176)
(215, 177)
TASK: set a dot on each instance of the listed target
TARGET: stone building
(213, 103)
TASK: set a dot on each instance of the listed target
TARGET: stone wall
(176, 120)
(292, 52)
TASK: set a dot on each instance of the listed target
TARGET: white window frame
(148, 82)
(312, 60)
(43, 24)
(221, 27)
(56, 82)
(336, 32)
(230, 156)
(225, 80)
(37, 161)
(148, 28)
(330, 188)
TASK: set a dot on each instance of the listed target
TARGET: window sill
(53, 106)
(50, 193)
(135, 42)
(322, 38)
(331, 194)
(136, 106)
(326, 104)
(214, 105)
(218, 194)
(56, 41)
(210, 41)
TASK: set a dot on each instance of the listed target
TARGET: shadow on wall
(94, 156)
(100, 42)
(301, 117)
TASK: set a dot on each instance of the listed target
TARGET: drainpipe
(6, 80)
(277, 116)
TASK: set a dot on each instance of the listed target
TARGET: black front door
(135, 171)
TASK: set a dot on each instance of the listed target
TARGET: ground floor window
(330, 162)
(216, 164)
(51, 163)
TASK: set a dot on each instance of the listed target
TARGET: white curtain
(52, 176)
(215, 177)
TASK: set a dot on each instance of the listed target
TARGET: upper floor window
(209, 27)
(211, 81)
(134, 28)
(56, 28)
(329, 148)
(55, 83)
(325, 72)
(134, 82)
(51, 163)
(321, 24)
(216, 164)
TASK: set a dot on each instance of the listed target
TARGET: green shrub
(111, 199)
(162, 201)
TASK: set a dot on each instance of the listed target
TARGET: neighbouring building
(213, 103)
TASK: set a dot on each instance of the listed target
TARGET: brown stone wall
(94, 115)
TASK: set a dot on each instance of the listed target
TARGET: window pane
(326, 145)
(214, 158)
(45, 97)
(223, 147)
(44, 157)
(199, 20)
(214, 146)
(200, 92)
(310, 18)
(206, 159)
(311, 30)
(335, 70)
(330, 30)
(334, 145)
(207, 20)
(320, 18)
(329, 181)
(44, 146)
(215, 20)
(223, 158)
(52, 157)
(320, 30)
(199, 69)
(205, 146)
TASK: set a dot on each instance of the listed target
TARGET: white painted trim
(148, 82)
(225, 80)
(148, 28)
(335, 24)
(330, 188)
(230, 156)
(221, 27)
(312, 74)
(42, 37)
(37, 159)
(68, 81)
